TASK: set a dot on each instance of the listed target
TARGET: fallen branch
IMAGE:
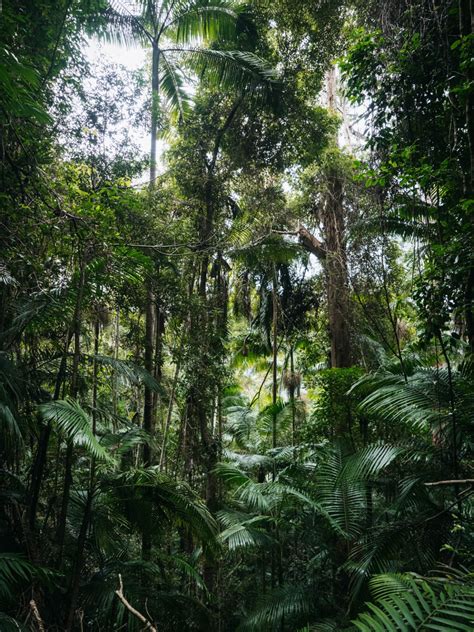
(37, 616)
(463, 481)
(131, 609)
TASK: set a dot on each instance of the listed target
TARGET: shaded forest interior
(236, 315)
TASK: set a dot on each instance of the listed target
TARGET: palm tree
(179, 33)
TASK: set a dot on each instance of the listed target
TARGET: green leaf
(71, 420)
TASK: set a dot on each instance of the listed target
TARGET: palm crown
(179, 33)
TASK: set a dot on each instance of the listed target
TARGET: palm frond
(367, 463)
(420, 606)
(172, 86)
(244, 531)
(388, 584)
(240, 422)
(206, 20)
(72, 420)
(377, 552)
(174, 500)
(13, 569)
(419, 401)
(120, 26)
(129, 371)
(9, 624)
(237, 69)
(286, 603)
(342, 498)
(231, 474)
(11, 432)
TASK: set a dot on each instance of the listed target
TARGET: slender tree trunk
(148, 409)
(158, 358)
(163, 461)
(275, 360)
(74, 390)
(155, 111)
(81, 540)
(292, 397)
(37, 471)
(116, 355)
(150, 317)
(149, 400)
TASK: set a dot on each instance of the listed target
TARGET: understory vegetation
(236, 315)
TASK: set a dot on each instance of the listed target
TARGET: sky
(132, 58)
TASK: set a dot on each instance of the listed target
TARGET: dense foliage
(236, 370)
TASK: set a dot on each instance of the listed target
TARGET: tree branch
(130, 608)
(307, 240)
(311, 243)
(463, 481)
(36, 615)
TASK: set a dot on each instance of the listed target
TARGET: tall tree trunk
(336, 270)
(61, 532)
(275, 359)
(81, 540)
(148, 408)
(149, 400)
(333, 220)
(291, 391)
(37, 470)
(155, 111)
(169, 414)
(116, 356)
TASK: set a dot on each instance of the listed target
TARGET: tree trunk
(155, 111)
(336, 270)
(148, 409)
(81, 540)
(149, 399)
(74, 390)
(37, 470)
(275, 360)
(333, 220)
(292, 396)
